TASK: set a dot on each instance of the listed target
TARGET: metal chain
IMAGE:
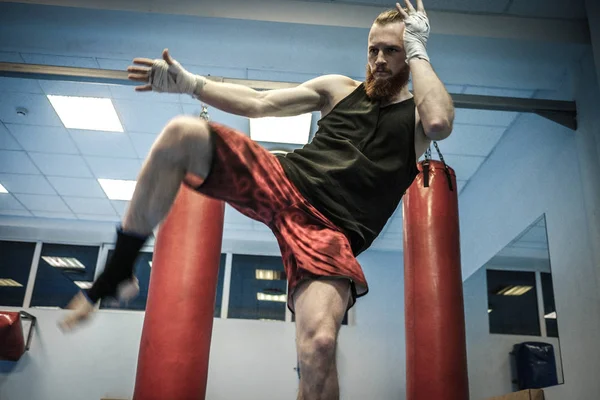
(439, 152)
(428, 154)
(204, 113)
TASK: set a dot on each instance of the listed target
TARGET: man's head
(387, 71)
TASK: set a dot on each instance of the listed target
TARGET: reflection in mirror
(511, 319)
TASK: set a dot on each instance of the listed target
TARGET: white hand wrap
(174, 79)
(416, 34)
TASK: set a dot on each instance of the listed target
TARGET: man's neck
(404, 94)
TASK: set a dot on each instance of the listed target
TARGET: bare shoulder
(333, 88)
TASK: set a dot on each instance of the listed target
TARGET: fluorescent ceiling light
(9, 283)
(89, 113)
(117, 189)
(63, 262)
(3, 189)
(84, 284)
(269, 275)
(551, 315)
(293, 130)
(514, 290)
(282, 298)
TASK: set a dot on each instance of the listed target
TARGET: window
(549, 307)
(15, 265)
(258, 288)
(512, 303)
(62, 271)
(143, 266)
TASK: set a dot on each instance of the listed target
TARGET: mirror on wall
(511, 319)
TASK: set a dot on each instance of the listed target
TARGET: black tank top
(358, 166)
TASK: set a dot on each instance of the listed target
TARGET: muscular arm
(310, 96)
(434, 104)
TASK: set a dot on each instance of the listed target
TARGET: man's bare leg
(320, 306)
(182, 147)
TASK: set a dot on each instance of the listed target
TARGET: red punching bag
(176, 336)
(436, 355)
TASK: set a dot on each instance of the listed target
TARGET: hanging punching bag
(175, 345)
(436, 357)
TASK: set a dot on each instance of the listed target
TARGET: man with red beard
(325, 202)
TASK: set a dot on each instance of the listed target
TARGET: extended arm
(167, 75)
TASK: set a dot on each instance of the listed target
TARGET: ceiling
(51, 172)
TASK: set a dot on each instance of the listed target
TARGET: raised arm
(168, 75)
(433, 102)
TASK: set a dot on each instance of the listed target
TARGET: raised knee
(180, 136)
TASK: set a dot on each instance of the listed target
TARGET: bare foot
(81, 308)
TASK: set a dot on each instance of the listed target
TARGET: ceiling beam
(346, 15)
(562, 112)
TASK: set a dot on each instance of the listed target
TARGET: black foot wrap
(119, 267)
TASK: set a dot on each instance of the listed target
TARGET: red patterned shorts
(252, 181)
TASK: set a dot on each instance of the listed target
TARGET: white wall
(541, 170)
(258, 356)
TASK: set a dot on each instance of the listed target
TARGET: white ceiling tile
(109, 144)
(8, 202)
(94, 217)
(80, 205)
(39, 109)
(36, 202)
(143, 116)
(61, 165)
(20, 85)
(114, 168)
(79, 89)
(17, 213)
(464, 166)
(79, 187)
(28, 184)
(484, 117)
(54, 215)
(44, 139)
(10, 57)
(142, 142)
(16, 162)
(471, 140)
(65, 61)
(500, 92)
(7, 141)
(461, 185)
(121, 206)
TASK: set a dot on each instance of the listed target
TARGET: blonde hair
(389, 17)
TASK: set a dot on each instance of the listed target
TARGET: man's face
(387, 71)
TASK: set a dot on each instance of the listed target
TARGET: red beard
(385, 89)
